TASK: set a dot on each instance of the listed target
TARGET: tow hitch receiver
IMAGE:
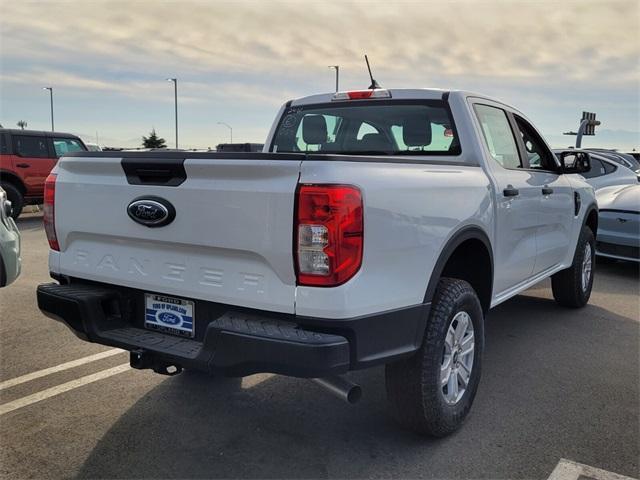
(143, 360)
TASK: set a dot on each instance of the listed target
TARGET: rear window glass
(34, 147)
(389, 128)
(63, 146)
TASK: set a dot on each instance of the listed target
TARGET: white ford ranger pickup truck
(376, 227)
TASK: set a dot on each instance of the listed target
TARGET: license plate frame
(168, 314)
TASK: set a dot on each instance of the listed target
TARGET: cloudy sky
(236, 62)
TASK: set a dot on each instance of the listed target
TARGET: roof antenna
(374, 84)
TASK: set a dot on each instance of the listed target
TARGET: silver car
(606, 172)
(619, 222)
(10, 262)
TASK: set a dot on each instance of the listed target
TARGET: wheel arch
(591, 219)
(454, 262)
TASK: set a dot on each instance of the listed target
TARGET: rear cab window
(378, 127)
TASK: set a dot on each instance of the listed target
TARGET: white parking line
(568, 470)
(58, 368)
(58, 389)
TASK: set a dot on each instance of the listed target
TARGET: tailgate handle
(168, 172)
(148, 175)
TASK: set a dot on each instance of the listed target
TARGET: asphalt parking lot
(557, 383)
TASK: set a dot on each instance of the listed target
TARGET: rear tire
(421, 397)
(15, 197)
(572, 286)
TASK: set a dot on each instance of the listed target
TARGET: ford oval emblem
(151, 211)
(169, 318)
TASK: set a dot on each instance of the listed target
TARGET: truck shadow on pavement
(556, 383)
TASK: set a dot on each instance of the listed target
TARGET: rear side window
(63, 146)
(608, 168)
(498, 136)
(597, 169)
(34, 147)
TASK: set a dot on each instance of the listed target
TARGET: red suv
(26, 158)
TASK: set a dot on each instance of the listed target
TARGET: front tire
(432, 392)
(572, 286)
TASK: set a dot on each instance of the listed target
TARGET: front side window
(498, 136)
(375, 127)
(539, 156)
(33, 147)
(63, 146)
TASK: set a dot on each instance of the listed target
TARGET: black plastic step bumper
(234, 341)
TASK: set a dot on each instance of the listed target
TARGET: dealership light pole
(229, 127)
(175, 96)
(337, 67)
(51, 101)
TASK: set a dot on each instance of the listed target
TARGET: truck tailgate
(230, 241)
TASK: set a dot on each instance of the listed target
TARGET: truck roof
(402, 94)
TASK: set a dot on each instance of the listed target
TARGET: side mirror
(575, 161)
(7, 208)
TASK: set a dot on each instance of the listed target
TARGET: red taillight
(329, 234)
(49, 211)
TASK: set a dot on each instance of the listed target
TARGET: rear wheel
(572, 287)
(15, 197)
(432, 392)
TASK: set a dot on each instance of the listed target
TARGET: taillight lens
(361, 94)
(49, 211)
(329, 234)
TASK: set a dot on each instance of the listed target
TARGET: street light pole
(175, 96)
(229, 127)
(51, 101)
(337, 68)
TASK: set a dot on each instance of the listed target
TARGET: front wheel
(572, 286)
(432, 392)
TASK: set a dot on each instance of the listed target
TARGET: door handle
(23, 165)
(510, 192)
(547, 191)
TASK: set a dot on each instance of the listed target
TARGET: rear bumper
(234, 341)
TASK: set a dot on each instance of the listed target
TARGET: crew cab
(26, 158)
(377, 227)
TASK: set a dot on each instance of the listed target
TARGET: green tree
(21, 124)
(153, 141)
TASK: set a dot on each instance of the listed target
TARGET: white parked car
(605, 172)
(377, 227)
(10, 261)
(93, 147)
